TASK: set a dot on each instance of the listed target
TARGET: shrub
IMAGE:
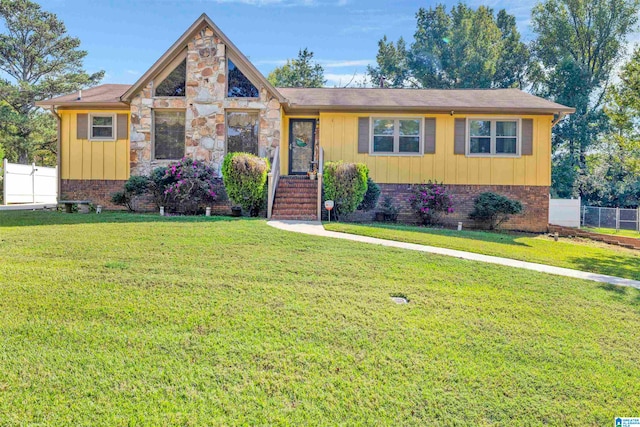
(389, 210)
(345, 184)
(430, 201)
(493, 209)
(136, 185)
(159, 180)
(245, 180)
(121, 198)
(189, 186)
(370, 200)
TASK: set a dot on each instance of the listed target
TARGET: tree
(298, 72)
(466, 48)
(579, 44)
(393, 66)
(613, 168)
(41, 61)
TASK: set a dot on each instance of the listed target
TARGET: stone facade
(205, 104)
(535, 200)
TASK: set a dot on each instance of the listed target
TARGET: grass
(122, 319)
(580, 254)
(613, 232)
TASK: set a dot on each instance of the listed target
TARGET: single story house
(204, 98)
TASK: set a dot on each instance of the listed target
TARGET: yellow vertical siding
(339, 138)
(84, 159)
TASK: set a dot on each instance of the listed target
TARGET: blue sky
(125, 37)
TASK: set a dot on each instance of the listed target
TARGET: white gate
(29, 184)
(564, 212)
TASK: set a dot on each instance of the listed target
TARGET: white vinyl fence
(564, 212)
(614, 218)
(29, 184)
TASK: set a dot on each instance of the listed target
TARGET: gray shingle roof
(435, 100)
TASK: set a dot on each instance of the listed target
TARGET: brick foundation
(535, 200)
(99, 193)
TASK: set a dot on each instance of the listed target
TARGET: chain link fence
(614, 218)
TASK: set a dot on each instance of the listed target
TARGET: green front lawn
(613, 232)
(122, 319)
(578, 254)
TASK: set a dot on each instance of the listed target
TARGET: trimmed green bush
(245, 180)
(371, 197)
(491, 209)
(136, 185)
(345, 184)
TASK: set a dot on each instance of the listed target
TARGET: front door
(302, 134)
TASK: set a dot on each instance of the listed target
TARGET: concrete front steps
(623, 241)
(296, 199)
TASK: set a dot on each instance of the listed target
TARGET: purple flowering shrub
(188, 186)
(430, 201)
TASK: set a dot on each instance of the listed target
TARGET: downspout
(58, 152)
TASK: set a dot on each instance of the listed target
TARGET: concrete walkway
(316, 229)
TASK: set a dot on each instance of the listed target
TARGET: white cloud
(344, 79)
(133, 72)
(275, 62)
(341, 63)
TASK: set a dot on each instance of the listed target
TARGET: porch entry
(302, 133)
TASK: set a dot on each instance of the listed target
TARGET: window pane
(239, 84)
(383, 127)
(174, 84)
(383, 144)
(409, 127)
(506, 128)
(169, 134)
(409, 144)
(506, 145)
(102, 132)
(480, 145)
(102, 120)
(242, 132)
(480, 128)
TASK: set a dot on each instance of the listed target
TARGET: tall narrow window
(238, 85)
(174, 84)
(242, 132)
(169, 134)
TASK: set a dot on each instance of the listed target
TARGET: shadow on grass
(35, 218)
(622, 293)
(503, 237)
(612, 265)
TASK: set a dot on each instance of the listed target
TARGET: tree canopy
(463, 48)
(302, 71)
(40, 60)
(578, 45)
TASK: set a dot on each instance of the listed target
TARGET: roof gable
(239, 59)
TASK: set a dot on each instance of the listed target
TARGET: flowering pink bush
(189, 186)
(430, 201)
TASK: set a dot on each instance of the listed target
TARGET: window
(174, 84)
(102, 127)
(238, 85)
(396, 136)
(242, 132)
(168, 134)
(493, 137)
